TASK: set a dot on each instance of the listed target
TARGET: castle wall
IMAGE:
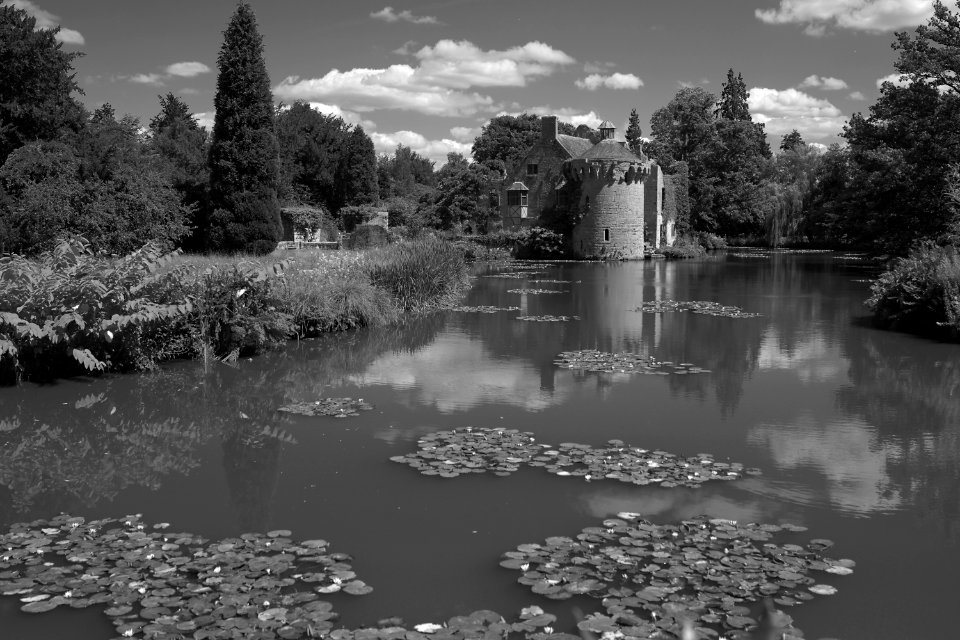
(611, 204)
(653, 205)
(549, 155)
(669, 229)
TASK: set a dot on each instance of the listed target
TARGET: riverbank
(69, 312)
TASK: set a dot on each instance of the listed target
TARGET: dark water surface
(855, 429)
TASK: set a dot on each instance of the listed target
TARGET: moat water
(856, 430)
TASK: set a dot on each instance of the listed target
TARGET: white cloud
(565, 114)
(895, 78)
(782, 111)
(826, 83)
(187, 69)
(820, 147)
(406, 48)
(862, 15)
(435, 150)
(387, 14)
(614, 81)
(437, 85)
(857, 95)
(205, 119)
(350, 117)
(598, 67)
(47, 20)
(465, 134)
(146, 78)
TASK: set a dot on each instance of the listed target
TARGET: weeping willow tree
(788, 195)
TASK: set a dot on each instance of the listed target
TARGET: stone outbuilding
(615, 199)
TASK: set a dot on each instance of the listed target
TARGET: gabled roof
(573, 145)
(610, 150)
(606, 124)
(517, 186)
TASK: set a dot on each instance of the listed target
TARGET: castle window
(532, 169)
(606, 235)
(586, 204)
(663, 196)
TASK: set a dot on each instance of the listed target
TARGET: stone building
(614, 200)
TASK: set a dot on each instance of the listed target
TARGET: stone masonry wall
(549, 156)
(653, 204)
(616, 206)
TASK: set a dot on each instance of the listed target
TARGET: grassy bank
(70, 311)
(920, 293)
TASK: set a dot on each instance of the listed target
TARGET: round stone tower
(610, 179)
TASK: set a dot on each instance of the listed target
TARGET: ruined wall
(611, 203)
(668, 233)
(653, 204)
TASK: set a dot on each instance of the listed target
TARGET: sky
(429, 74)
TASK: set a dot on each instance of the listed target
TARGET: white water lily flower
(241, 292)
(428, 627)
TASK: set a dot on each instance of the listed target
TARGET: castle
(617, 201)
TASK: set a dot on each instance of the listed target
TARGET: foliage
(49, 198)
(307, 221)
(710, 241)
(355, 180)
(71, 310)
(681, 194)
(682, 129)
(420, 273)
(634, 133)
(733, 99)
(244, 151)
(682, 249)
(367, 236)
(399, 175)
(538, 243)
(791, 141)
(920, 292)
(506, 138)
(933, 54)
(467, 195)
(310, 147)
(36, 83)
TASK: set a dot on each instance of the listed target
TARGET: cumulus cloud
(146, 78)
(205, 119)
(350, 117)
(614, 81)
(861, 15)
(895, 78)
(598, 67)
(47, 20)
(187, 69)
(465, 134)
(782, 111)
(826, 83)
(437, 85)
(857, 95)
(435, 150)
(387, 14)
(565, 114)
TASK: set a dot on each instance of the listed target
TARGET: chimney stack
(548, 130)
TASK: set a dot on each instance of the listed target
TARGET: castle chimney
(548, 130)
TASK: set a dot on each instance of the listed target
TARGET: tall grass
(420, 274)
(920, 293)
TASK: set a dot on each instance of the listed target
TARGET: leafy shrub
(71, 310)
(920, 292)
(683, 249)
(352, 217)
(537, 243)
(368, 236)
(710, 241)
(419, 273)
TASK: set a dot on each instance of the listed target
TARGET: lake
(855, 431)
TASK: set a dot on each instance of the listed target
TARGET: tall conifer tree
(244, 152)
(634, 133)
(733, 99)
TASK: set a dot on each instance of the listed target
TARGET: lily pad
(548, 318)
(603, 362)
(333, 407)
(535, 292)
(696, 306)
(484, 309)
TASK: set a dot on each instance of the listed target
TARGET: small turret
(606, 130)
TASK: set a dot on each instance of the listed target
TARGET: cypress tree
(244, 153)
(634, 133)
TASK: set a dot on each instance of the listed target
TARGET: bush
(683, 249)
(920, 293)
(537, 243)
(368, 236)
(710, 241)
(419, 274)
(71, 310)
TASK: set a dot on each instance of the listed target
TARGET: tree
(180, 145)
(634, 134)
(507, 138)
(733, 99)
(356, 176)
(681, 129)
(311, 144)
(36, 83)
(933, 54)
(466, 195)
(791, 141)
(244, 151)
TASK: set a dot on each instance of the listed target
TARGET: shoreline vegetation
(71, 311)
